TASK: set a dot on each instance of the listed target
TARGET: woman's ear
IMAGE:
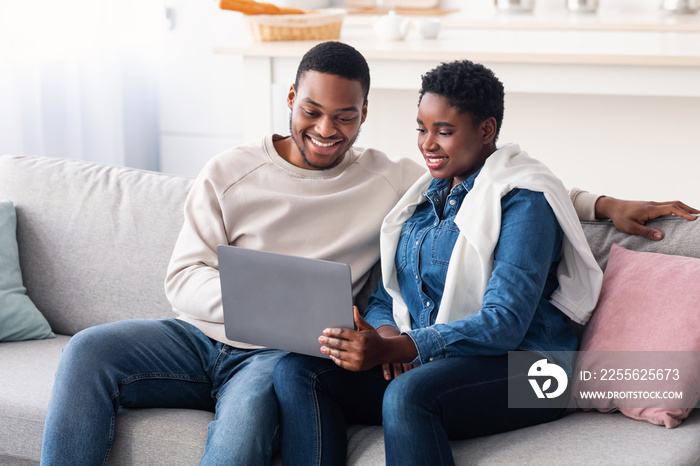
(488, 129)
(291, 95)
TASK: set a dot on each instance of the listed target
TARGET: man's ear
(488, 129)
(364, 113)
(291, 95)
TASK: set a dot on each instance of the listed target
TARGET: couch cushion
(148, 436)
(94, 240)
(577, 439)
(19, 317)
(27, 371)
(160, 436)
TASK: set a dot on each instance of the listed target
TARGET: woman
(470, 261)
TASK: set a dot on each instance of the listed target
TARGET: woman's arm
(379, 309)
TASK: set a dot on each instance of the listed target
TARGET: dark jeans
(421, 410)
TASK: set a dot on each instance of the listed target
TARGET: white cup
(429, 27)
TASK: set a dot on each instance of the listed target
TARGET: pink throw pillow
(648, 303)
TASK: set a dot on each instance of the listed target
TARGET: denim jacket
(516, 312)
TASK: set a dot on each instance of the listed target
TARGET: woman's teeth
(321, 144)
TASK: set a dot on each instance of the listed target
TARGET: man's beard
(302, 149)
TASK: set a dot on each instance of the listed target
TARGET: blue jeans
(159, 364)
(421, 410)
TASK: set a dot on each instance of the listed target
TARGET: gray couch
(94, 244)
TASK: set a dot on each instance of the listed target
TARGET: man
(310, 194)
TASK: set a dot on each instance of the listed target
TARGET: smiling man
(326, 113)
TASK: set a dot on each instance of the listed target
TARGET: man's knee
(85, 346)
(105, 346)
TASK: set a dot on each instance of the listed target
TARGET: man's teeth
(319, 143)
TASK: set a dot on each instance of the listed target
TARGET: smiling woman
(77, 79)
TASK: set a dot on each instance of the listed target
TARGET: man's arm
(192, 282)
(628, 216)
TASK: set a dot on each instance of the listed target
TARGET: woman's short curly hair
(470, 87)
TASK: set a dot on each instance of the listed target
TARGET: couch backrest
(681, 238)
(94, 240)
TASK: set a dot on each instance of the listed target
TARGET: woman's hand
(393, 370)
(631, 216)
(364, 348)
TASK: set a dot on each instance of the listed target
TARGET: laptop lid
(282, 301)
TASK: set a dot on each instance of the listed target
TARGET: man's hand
(364, 348)
(631, 216)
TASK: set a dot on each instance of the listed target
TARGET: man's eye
(448, 133)
(420, 130)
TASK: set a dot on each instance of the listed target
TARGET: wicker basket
(323, 24)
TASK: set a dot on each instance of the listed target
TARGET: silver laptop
(281, 301)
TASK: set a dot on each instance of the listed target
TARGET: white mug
(429, 27)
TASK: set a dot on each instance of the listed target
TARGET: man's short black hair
(469, 87)
(338, 59)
